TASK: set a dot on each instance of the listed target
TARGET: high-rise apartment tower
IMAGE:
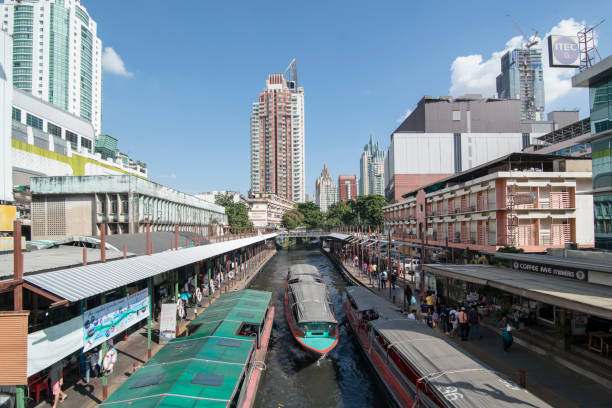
(522, 78)
(57, 55)
(326, 192)
(277, 138)
(372, 169)
(347, 187)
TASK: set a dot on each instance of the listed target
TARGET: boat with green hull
(218, 364)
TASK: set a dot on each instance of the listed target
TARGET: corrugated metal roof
(341, 237)
(443, 366)
(82, 282)
(575, 295)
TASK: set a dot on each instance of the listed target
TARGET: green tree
(313, 217)
(237, 213)
(293, 219)
(369, 210)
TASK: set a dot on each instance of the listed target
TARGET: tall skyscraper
(277, 138)
(347, 187)
(57, 55)
(372, 169)
(326, 193)
(522, 78)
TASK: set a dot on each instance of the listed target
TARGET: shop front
(557, 305)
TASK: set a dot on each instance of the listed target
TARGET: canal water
(292, 377)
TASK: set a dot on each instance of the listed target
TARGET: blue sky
(191, 69)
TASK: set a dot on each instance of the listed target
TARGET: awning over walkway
(341, 237)
(82, 282)
(577, 263)
(569, 294)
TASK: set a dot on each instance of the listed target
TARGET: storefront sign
(569, 273)
(167, 323)
(107, 320)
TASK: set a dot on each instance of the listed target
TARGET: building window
(457, 146)
(72, 138)
(456, 115)
(16, 114)
(526, 140)
(33, 121)
(54, 130)
(86, 143)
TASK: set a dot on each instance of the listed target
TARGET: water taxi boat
(419, 367)
(309, 310)
(218, 364)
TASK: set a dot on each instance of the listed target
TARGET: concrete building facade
(598, 78)
(278, 138)
(372, 169)
(57, 55)
(326, 192)
(528, 201)
(444, 136)
(77, 206)
(6, 102)
(347, 187)
(267, 210)
(522, 78)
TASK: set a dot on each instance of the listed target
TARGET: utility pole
(389, 265)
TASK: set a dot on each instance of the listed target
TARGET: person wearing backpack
(383, 279)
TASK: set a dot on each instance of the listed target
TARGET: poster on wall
(107, 320)
(167, 323)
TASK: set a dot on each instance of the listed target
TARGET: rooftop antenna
(530, 41)
(586, 43)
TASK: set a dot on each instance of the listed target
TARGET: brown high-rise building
(347, 187)
(277, 138)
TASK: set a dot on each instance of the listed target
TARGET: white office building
(57, 55)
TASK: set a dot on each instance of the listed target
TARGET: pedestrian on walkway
(452, 317)
(56, 376)
(444, 319)
(383, 279)
(506, 329)
(474, 320)
(429, 319)
(407, 293)
(393, 279)
(412, 315)
(462, 317)
(430, 301)
(436, 318)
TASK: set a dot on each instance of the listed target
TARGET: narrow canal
(292, 377)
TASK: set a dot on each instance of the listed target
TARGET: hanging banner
(167, 323)
(105, 321)
(48, 346)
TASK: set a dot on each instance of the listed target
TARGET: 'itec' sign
(563, 51)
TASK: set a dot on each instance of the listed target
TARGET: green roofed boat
(219, 363)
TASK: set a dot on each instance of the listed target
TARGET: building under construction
(522, 77)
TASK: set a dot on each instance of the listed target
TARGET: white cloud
(112, 62)
(404, 116)
(473, 74)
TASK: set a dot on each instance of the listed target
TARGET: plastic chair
(38, 384)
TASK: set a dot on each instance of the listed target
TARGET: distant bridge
(304, 234)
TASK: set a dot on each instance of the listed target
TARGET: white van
(415, 264)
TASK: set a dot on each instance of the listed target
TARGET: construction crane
(530, 41)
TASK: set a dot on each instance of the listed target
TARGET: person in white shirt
(412, 315)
